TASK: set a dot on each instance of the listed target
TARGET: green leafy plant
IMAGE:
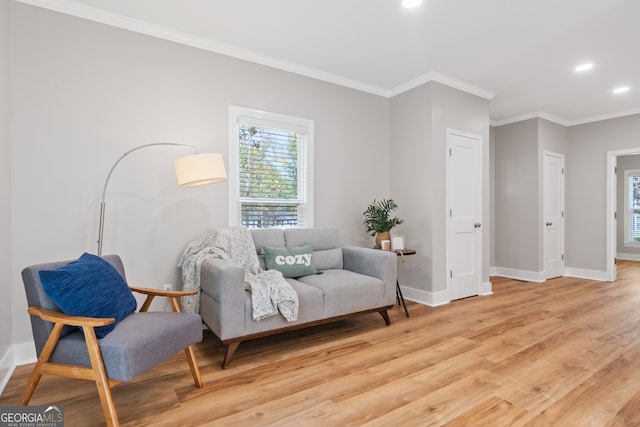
(377, 217)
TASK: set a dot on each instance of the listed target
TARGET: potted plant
(378, 220)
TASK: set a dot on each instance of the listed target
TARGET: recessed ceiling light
(411, 3)
(584, 67)
(621, 89)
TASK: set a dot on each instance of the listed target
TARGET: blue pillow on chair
(89, 287)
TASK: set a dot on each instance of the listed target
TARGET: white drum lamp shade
(200, 169)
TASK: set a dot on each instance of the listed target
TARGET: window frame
(242, 115)
(628, 208)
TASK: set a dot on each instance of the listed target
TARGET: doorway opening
(612, 187)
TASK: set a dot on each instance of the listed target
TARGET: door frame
(612, 157)
(480, 140)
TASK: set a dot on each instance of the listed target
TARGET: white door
(553, 201)
(464, 214)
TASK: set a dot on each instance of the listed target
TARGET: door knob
(477, 225)
(549, 224)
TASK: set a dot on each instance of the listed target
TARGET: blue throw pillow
(291, 262)
(89, 287)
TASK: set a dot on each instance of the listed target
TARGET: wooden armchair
(139, 342)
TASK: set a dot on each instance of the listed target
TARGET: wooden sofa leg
(385, 316)
(231, 348)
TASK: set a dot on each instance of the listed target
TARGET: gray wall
(84, 93)
(517, 243)
(5, 192)
(586, 187)
(518, 183)
(419, 120)
(624, 163)
(411, 159)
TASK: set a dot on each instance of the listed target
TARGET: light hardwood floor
(565, 352)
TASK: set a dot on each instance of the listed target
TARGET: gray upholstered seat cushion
(311, 303)
(139, 342)
(345, 291)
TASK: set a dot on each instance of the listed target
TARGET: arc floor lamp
(191, 171)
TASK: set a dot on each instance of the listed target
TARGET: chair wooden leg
(100, 376)
(193, 365)
(43, 359)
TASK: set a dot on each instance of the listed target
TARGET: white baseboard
(538, 277)
(6, 369)
(486, 288)
(628, 256)
(16, 355)
(586, 274)
(432, 299)
(514, 273)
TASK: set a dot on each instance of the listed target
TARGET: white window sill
(632, 244)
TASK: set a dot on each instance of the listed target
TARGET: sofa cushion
(291, 262)
(326, 243)
(311, 308)
(267, 237)
(347, 292)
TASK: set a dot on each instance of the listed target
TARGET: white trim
(582, 273)
(628, 256)
(528, 116)
(306, 126)
(433, 76)
(166, 33)
(16, 355)
(486, 288)
(559, 120)
(6, 369)
(616, 115)
(517, 274)
(432, 299)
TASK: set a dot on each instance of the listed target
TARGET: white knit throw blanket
(270, 292)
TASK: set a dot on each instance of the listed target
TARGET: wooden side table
(402, 253)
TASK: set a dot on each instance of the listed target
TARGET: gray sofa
(354, 281)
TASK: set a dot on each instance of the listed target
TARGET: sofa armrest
(374, 262)
(222, 298)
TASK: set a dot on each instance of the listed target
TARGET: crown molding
(165, 33)
(616, 115)
(115, 20)
(564, 122)
(536, 115)
(433, 76)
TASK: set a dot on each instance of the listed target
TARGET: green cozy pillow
(291, 262)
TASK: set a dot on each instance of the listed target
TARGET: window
(632, 208)
(271, 169)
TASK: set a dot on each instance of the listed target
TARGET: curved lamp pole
(191, 171)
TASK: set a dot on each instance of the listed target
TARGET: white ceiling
(520, 54)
